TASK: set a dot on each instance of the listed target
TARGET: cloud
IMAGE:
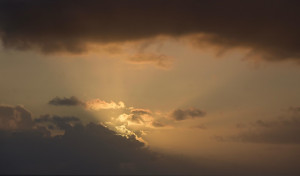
(284, 130)
(72, 101)
(136, 119)
(157, 124)
(137, 122)
(15, 118)
(140, 116)
(139, 111)
(180, 114)
(140, 121)
(59, 122)
(98, 104)
(82, 149)
(272, 30)
(160, 60)
(201, 126)
(95, 104)
(294, 109)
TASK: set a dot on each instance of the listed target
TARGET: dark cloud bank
(29, 147)
(268, 27)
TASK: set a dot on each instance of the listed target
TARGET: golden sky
(222, 92)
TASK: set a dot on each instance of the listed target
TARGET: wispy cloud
(284, 130)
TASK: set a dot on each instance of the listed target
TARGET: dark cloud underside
(269, 27)
(59, 122)
(15, 118)
(28, 148)
(72, 101)
(183, 114)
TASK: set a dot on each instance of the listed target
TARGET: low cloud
(72, 101)
(157, 124)
(15, 118)
(140, 121)
(272, 30)
(98, 104)
(160, 60)
(283, 130)
(132, 120)
(28, 148)
(57, 122)
(95, 104)
(294, 109)
(140, 116)
(183, 114)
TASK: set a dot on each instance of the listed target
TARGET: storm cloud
(269, 27)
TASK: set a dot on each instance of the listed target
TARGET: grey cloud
(136, 115)
(94, 149)
(82, 149)
(284, 130)
(15, 117)
(201, 126)
(183, 114)
(59, 122)
(140, 111)
(294, 109)
(268, 27)
(72, 101)
(158, 124)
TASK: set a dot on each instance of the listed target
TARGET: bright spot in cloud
(98, 104)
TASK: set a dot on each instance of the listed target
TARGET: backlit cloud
(98, 104)
(95, 104)
(28, 148)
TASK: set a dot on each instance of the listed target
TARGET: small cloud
(201, 126)
(157, 124)
(160, 60)
(72, 101)
(140, 111)
(183, 114)
(98, 104)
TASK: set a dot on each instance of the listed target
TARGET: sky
(149, 87)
